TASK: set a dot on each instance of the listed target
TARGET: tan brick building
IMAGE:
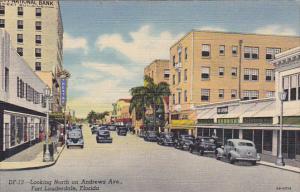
(158, 70)
(209, 67)
(36, 31)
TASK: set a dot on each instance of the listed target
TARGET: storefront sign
(29, 3)
(222, 110)
(63, 94)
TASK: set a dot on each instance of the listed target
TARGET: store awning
(207, 113)
(261, 109)
(124, 120)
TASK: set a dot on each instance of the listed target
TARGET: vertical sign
(63, 94)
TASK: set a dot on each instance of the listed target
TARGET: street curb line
(38, 167)
(282, 168)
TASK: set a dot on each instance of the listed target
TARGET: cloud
(276, 29)
(74, 43)
(144, 47)
(115, 70)
(211, 28)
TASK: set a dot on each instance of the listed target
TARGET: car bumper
(247, 159)
(104, 140)
(75, 144)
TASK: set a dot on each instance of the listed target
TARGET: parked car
(205, 145)
(166, 139)
(238, 150)
(103, 136)
(122, 131)
(75, 138)
(184, 142)
(112, 127)
(150, 136)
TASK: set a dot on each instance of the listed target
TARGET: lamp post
(47, 94)
(280, 161)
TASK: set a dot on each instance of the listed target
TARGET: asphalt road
(131, 165)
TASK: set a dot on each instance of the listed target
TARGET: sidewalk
(31, 158)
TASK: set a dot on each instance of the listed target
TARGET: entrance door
(258, 140)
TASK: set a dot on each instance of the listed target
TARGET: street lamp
(47, 94)
(282, 97)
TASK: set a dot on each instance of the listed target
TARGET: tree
(91, 117)
(149, 95)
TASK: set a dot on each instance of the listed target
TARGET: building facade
(22, 105)
(36, 32)
(158, 70)
(209, 67)
(123, 116)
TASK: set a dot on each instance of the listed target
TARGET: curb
(282, 168)
(37, 167)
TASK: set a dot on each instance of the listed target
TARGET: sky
(107, 44)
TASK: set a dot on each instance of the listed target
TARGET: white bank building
(22, 106)
(258, 120)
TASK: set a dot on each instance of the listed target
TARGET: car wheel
(68, 146)
(253, 162)
(231, 159)
(217, 156)
(82, 147)
(191, 149)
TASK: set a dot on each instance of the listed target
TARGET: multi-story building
(209, 67)
(123, 116)
(158, 70)
(36, 31)
(22, 104)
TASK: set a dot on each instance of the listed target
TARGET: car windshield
(245, 144)
(103, 132)
(189, 137)
(209, 140)
(74, 134)
(152, 133)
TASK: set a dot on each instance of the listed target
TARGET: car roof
(240, 140)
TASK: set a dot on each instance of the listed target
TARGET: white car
(238, 150)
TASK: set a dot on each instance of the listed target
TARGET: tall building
(36, 31)
(158, 70)
(22, 104)
(210, 67)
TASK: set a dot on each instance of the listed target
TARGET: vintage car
(238, 150)
(204, 145)
(75, 138)
(150, 136)
(166, 139)
(103, 136)
(183, 142)
(112, 127)
(96, 128)
(121, 130)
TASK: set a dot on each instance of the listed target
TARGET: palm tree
(92, 116)
(150, 94)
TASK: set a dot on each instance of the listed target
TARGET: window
(38, 25)
(173, 79)
(247, 95)
(2, 23)
(38, 39)
(179, 76)
(251, 74)
(18, 87)
(222, 49)
(20, 51)
(251, 52)
(234, 71)
(185, 75)
(6, 80)
(173, 98)
(185, 95)
(270, 94)
(20, 24)
(20, 11)
(38, 12)
(234, 50)
(221, 71)
(285, 86)
(205, 73)
(293, 91)
(205, 50)
(179, 54)
(270, 52)
(20, 38)
(233, 93)
(186, 53)
(21, 88)
(221, 93)
(205, 94)
(179, 97)
(174, 60)
(38, 66)
(298, 86)
(270, 75)
(2, 10)
(166, 73)
(38, 52)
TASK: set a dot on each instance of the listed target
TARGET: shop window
(236, 134)
(227, 134)
(248, 134)
(258, 140)
(268, 137)
(205, 50)
(205, 94)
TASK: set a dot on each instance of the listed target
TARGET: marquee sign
(63, 92)
(222, 110)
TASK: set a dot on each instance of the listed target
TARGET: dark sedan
(122, 131)
(204, 145)
(166, 139)
(184, 142)
(150, 136)
(103, 136)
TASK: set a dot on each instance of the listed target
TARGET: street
(130, 164)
